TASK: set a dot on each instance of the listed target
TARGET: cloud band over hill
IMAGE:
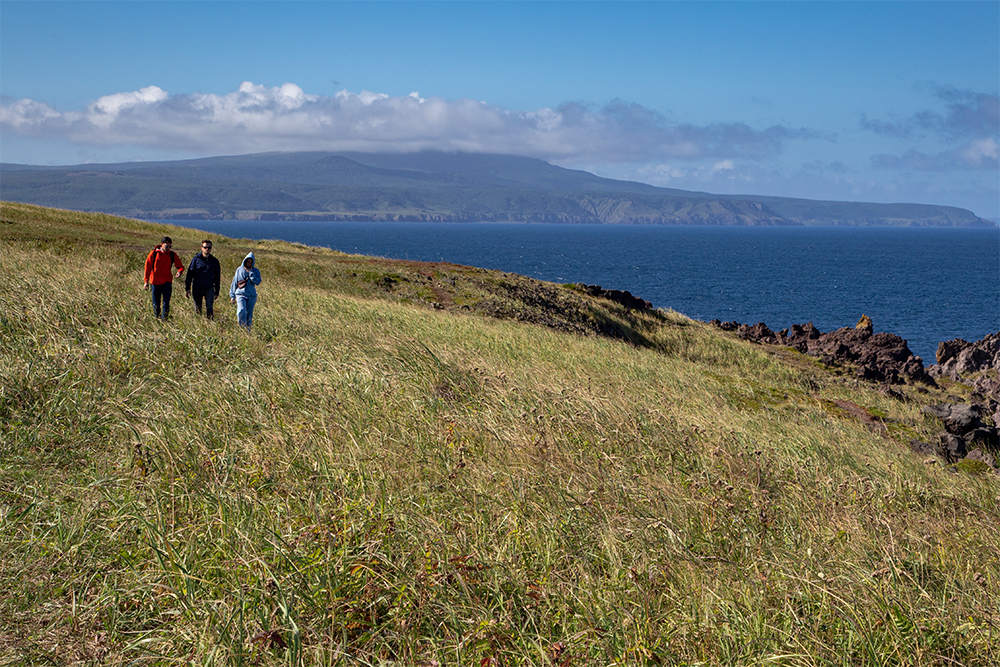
(256, 118)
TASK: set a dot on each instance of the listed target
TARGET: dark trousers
(209, 296)
(161, 293)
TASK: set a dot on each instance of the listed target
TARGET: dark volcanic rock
(880, 357)
(957, 419)
(989, 389)
(726, 326)
(965, 434)
(622, 297)
(886, 358)
(800, 336)
(758, 333)
(951, 448)
(980, 455)
(921, 447)
(982, 438)
(949, 348)
(957, 357)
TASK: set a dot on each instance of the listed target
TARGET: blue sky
(860, 101)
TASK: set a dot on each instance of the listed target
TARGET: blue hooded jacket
(252, 277)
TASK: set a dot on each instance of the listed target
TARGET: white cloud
(25, 114)
(255, 118)
(106, 108)
(722, 165)
(969, 117)
(979, 152)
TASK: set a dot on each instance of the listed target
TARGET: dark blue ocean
(924, 284)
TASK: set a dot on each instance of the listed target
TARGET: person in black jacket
(203, 278)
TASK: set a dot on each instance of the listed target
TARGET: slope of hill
(429, 464)
(428, 186)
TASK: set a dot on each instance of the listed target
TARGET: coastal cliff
(422, 187)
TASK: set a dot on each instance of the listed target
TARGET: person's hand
(232, 301)
(187, 293)
(179, 274)
(145, 286)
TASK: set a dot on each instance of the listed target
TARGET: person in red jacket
(160, 274)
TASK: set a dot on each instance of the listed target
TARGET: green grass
(541, 478)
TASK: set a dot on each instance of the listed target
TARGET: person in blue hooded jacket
(243, 291)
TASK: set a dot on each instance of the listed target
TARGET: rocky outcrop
(958, 359)
(623, 297)
(976, 365)
(878, 357)
(883, 357)
(957, 419)
(965, 436)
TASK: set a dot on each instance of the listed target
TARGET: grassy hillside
(520, 474)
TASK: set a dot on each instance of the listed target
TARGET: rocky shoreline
(971, 429)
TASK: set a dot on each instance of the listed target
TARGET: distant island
(422, 187)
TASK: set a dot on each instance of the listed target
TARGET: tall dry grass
(365, 480)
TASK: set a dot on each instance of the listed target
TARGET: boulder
(800, 336)
(982, 438)
(758, 333)
(921, 447)
(980, 455)
(948, 349)
(958, 357)
(725, 326)
(622, 297)
(989, 390)
(882, 357)
(951, 448)
(957, 419)
(865, 371)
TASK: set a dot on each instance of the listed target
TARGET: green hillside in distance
(413, 463)
(426, 186)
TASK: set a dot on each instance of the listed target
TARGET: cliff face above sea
(422, 187)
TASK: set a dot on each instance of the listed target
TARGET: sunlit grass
(367, 480)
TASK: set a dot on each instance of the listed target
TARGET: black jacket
(204, 272)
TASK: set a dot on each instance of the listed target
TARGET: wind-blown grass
(368, 480)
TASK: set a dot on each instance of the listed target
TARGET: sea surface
(925, 284)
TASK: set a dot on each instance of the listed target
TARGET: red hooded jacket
(158, 269)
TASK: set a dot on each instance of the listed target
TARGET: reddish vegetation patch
(425, 268)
